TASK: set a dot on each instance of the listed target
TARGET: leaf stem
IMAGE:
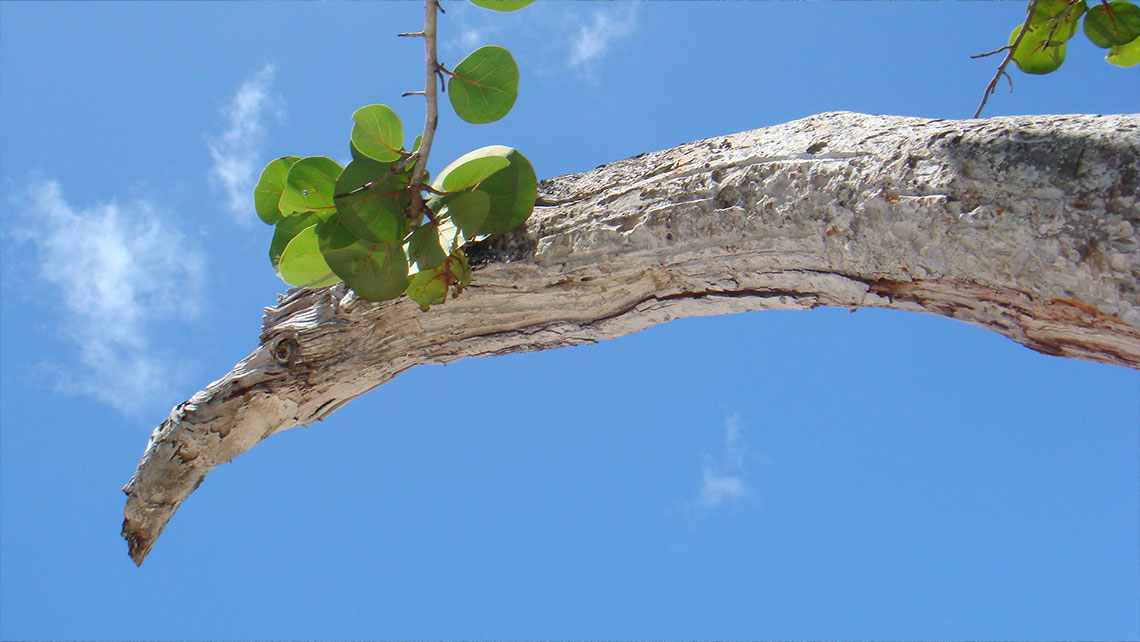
(431, 69)
(1008, 58)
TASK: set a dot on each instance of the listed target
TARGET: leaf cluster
(360, 224)
(1114, 26)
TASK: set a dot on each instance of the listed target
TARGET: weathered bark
(1026, 226)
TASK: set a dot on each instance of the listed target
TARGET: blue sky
(818, 474)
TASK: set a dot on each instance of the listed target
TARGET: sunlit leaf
(1127, 55)
(1034, 55)
(470, 169)
(502, 5)
(1060, 18)
(428, 287)
(302, 264)
(376, 271)
(285, 230)
(1118, 23)
(378, 213)
(310, 185)
(378, 133)
(267, 194)
(485, 85)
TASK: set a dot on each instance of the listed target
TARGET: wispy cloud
(116, 270)
(236, 152)
(723, 478)
(595, 38)
(551, 38)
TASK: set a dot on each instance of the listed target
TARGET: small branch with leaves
(1037, 46)
(380, 224)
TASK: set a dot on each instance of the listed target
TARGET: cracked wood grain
(1026, 226)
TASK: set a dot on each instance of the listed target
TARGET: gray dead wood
(1026, 226)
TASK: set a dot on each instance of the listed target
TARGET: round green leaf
(470, 169)
(378, 213)
(285, 230)
(502, 5)
(428, 287)
(512, 190)
(1125, 55)
(423, 248)
(376, 271)
(302, 264)
(469, 211)
(1034, 55)
(267, 194)
(1118, 23)
(378, 133)
(310, 186)
(1058, 17)
(485, 85)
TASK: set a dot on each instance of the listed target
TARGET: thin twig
(1012, 47)
(431, 68)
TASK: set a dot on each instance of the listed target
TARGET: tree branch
(1010, 49)
(431, 93)
(1026, 226)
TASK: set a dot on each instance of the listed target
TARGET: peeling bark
(1026, 226)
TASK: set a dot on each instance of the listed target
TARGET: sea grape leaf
(310, 186)
(424, 251)
(1118, 23)
(285, 230)
(485, 85)
(378, 213)
(469, 211)
(378, 133)
(470, 169)
(1034, 55)
(512, 191)
(302, 264)
(267, 194)
(1127, 55)
(430, 287)
(1059, 17)
(502, 5)
(376, 271)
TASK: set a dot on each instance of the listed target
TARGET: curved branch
(1026, 226)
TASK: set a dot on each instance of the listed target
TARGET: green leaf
(378, 133)
(378, 213)
(416, 143)
(469, 211)
(485, 85)
(376, 271)
(512, 190)
(1034, 55)
(502, 5)
(302, 264)
(470, 169)
(1118, 23)
(285, 230)
(1127, 55)
(424, 251)
(430, 287)
(1058, 17)
(310, 186)
(267, 194)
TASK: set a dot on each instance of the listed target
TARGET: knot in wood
(285, 352)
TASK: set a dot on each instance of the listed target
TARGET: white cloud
(116, 270)
(594, 39)
(236, 152)
(723, 478)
